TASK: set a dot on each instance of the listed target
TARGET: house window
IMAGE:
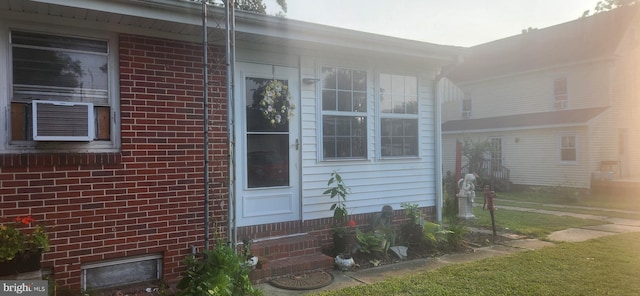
(344, 113)
(560, 97)
(568, 148)
(466, 108)
(398, 115)
(60, 68)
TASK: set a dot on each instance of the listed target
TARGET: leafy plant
(371, 241)
(219, 271)
(434, 235)
(18, 236)
(455, 236)
(338, 190)
(412, 211)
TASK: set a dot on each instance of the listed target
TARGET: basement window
(121, 272)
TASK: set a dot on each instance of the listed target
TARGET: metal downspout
(205, 111)
(438, 147)
(230, 56)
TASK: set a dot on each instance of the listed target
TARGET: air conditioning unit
(466, 114)
(62, 121)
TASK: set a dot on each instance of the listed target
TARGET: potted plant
(21, 245)
(343, 235)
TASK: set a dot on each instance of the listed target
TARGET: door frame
(246, 212)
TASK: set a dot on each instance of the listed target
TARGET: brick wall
(148, 198)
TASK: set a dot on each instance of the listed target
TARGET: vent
(62, 121)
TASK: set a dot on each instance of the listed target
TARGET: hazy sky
(450, 22)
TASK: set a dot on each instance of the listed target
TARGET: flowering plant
(275, 104)
(18, 236)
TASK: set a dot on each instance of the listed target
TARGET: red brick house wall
(149, 197)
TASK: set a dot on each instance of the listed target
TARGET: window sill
(52, 159)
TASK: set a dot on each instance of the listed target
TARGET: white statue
(467, 187)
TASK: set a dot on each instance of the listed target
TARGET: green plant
(371, 241)
(434, 235)
(19, 236)
(337, 189)
(455, 236)
(412, 211)
(219, 271)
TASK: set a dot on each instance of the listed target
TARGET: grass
(604, 266)
(611, 214)
(530, 224)
(598, 201)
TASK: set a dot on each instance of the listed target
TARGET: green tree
(256, 6)
(607, 5)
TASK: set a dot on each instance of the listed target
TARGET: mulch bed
(473, 239)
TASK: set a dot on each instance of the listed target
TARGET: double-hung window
(63, 69)
(560, 94)
(344, 113)
(398, 115)
(568, 148)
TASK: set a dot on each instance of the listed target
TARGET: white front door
(267, 145)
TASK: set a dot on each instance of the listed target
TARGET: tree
(607, 5)
(256, 6)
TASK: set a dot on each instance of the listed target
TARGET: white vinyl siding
(374, 182)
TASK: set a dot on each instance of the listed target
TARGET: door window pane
(267, 156)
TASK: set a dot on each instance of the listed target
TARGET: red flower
(352, 223)
(24, 220)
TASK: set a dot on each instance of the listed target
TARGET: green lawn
(595, 200)
(610, 214)
(531, 224)
(604, 266)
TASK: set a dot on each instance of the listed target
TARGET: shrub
(219, 271)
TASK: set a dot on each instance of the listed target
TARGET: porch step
(288, 255)
(293, 265)
(286, 247)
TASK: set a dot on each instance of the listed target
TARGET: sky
(447, 22)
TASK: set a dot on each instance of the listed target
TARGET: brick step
(286, 247)
(292, 265)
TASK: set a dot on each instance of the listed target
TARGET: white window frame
(382, 115)
(576, 148)
(8, 146)
(321, 113)
(558, 102)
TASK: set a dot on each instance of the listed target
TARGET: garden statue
(383, 219)
(466, 195)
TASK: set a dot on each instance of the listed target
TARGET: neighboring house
(559, 105)
(116, 173)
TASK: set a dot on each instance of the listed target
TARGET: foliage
(475, 153)
(450, 201)
(607, 5)
(371, 241)
(18, 236)
(455, 236)
(413, 213)
(256, 6)
(219, 271)
(338, 190)
(275, 103)
(604, 266)
(435, 237)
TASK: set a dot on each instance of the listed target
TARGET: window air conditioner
(62, 121)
